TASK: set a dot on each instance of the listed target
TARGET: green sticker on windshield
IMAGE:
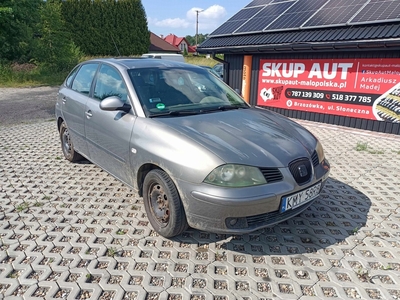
(160, 106)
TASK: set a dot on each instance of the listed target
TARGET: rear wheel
(67, 146)
(163, 205)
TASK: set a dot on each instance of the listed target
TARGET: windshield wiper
(224, 108)
(176, 113)
(227, 107)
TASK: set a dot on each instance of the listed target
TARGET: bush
(27, 75)
(55, 50)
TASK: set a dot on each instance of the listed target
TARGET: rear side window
(83, 80)
(71, 76)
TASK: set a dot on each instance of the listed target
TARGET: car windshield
(182, 91)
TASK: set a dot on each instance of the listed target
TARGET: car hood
(251, 136)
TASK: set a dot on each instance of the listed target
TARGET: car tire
(67, 146)
(163, 205)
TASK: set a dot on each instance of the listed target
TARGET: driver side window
(109, 83)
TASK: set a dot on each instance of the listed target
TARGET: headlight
(235, 176)
(320, 152)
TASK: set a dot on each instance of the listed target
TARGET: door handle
(89, 114)
(64, 99)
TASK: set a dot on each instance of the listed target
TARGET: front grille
(275, 216)
(271, 174)
(301, 170)
(315, 159)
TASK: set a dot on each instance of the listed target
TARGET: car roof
(140, 62)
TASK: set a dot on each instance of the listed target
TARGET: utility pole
(197, 26)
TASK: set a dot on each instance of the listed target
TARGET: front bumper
(243, 210)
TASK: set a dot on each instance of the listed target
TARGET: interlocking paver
(70, 231)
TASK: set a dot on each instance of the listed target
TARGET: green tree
(55, 49)
(191, 39)
(200, 38)
(107, 27)
(18, 21)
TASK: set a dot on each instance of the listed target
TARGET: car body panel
(154, 143)
(249, 137)
(108, 135)
(72, 108)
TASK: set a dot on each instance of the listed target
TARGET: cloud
(209, 19)
(214, 12)
(169, 23)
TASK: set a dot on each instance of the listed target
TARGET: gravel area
(27, 105)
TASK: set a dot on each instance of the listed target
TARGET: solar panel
(259, 2)
(246, 13)
(297, 15)
(378, 10)
(237, 20)
(272, 15)
(227, 28)
(265, 17)
(336, 12)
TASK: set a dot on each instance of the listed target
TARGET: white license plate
(300, 198)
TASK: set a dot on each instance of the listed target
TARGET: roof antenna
(119, 54)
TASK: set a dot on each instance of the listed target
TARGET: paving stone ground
(70, 231)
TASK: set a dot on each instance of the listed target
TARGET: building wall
(235, 81)
(182, 46)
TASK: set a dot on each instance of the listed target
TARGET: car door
(108, 132)
(74, 96)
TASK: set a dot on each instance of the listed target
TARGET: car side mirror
(114, 103)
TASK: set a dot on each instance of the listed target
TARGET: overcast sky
(179, 16)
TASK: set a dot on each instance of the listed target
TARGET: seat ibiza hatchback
(196, 152)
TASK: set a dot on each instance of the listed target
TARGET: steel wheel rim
(66, 141)
(159, 203)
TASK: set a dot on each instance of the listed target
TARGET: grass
(22, 206)
(364, 147)
(355, 230)
(387, 267)
(200, 61)
(361, 146)
(31, 76)
(111, 252)
(121, 232)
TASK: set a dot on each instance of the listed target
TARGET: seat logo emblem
(302, 170)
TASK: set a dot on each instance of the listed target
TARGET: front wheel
(67, 146)
(163, 205)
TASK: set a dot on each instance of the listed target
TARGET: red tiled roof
(175, 40)
(191, 49)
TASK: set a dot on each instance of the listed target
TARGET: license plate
(300, 198)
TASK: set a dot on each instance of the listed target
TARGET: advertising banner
(360, 88)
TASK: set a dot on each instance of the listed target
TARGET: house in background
(158, 45)
(180, 42)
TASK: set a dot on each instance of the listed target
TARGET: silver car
(196, 152)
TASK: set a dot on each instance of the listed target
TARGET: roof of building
(286, 26)
(381, 35)
(176, 41)
(157, 44)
